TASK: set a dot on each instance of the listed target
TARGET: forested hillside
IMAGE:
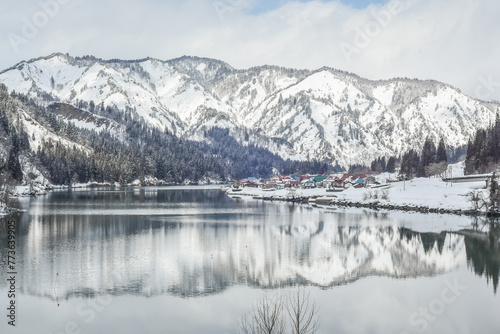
(483, 153)
(39, 142)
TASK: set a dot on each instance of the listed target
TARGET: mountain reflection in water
(190, 249)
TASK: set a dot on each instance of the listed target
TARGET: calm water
(192, 260)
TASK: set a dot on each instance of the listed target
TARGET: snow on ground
(427, 192)
(38, 133)
(432, 193)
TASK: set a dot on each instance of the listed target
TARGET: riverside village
(449, 192)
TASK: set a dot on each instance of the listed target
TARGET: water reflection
(483, 250)
(194, 243)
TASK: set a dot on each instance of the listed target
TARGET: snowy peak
(325, 114)
(203, 70)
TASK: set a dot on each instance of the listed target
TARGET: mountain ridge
(266, 66)
(326, 114)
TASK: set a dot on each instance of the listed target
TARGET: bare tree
(291, 193)
(302, 313)
(385, 194)
(477, 200)
(266, 317)
(436, 169)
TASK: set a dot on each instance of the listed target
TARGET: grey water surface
(193, 260)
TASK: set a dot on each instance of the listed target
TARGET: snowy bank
(420, 194)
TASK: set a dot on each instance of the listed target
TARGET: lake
(193, 260)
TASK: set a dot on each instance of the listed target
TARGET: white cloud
(455, 41)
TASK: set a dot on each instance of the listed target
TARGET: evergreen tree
(13, 164)
(409, 164)
(428, 157)
(441, 152)
(469, 159)
(391, 165)
(494, 194)
(379, 165)
(483, 151)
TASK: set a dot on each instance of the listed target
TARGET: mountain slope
(300, 114)
(62, 144)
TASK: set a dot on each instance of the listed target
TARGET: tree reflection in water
(483, 249)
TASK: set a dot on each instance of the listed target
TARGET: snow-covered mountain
(299, 114)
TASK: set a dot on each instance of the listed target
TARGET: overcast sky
(454, 41)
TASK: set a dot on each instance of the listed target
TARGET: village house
(319, 179)
(359, 183)
(292, 184)
(308, 184)
(251, 182)
(371, 181)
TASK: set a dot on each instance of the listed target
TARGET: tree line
(242, 161)
(131, 150)
(431, 160)
(483, 150)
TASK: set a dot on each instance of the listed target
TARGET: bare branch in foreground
(302, 313)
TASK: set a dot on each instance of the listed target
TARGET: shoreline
(369, 198)
(422, 195)
(406, 208)
(330, 203)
